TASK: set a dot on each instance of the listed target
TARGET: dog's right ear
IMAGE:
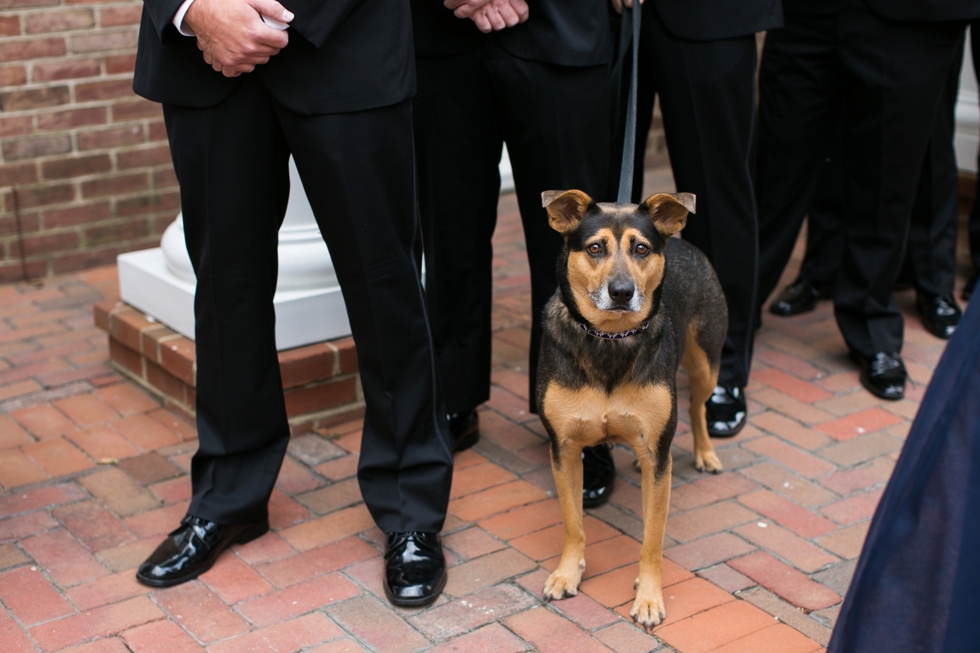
(566, 208)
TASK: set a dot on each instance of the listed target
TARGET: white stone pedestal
(967, 137)
(309, 307)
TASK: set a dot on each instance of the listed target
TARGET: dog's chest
(591, 414)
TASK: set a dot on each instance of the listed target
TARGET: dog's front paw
(563, 583)
(707, 462)
(648, 609)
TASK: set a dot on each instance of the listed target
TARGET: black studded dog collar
(613, 336)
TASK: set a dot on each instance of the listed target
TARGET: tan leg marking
(648, 609)
(584, 417)
(703, 380)
(564, 580)
(577, 419)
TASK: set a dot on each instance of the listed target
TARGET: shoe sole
(772, 309)
(596, 503)
(414, 603)
(246, 536)
(467, 441)
(880, 395)
(728, 434)
(602, 500)
(935, 332)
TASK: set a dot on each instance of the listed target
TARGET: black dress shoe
(192, 549)
(415, 568)
(726, 412)
(940, 315)
(598, 475)
(883, 375)
(465, 428)
(799, 297)
(971, 283)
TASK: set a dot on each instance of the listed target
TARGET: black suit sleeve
(161, 13)
(316, 19)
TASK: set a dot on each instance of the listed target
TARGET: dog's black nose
(620, 290)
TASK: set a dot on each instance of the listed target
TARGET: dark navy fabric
(916, 587)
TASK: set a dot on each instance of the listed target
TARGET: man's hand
(498, 14)
(231, 33)
(619, 4)
(464, 8)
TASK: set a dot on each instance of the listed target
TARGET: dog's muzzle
(618, 295)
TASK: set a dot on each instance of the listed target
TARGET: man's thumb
(272, 9)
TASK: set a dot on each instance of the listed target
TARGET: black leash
(630, 24)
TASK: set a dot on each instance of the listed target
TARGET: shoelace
(397, 540)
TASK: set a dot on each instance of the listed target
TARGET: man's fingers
(464, 11)
(618, 6)
(508, 15)
(520, 8)
(472, 4)
(259, 49)
(272, 9)
(263, 36)
(482, 23)
(493, 15)
(235, 71)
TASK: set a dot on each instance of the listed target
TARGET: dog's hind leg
(648, 609)
(703, 377)
(568, 479)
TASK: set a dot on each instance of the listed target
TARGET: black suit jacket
(563, 32)
(894, 9)
(343, 56)
(926, 9)
(710, 20)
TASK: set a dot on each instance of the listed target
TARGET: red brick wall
(87, 157)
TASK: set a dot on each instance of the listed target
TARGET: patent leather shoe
(193, 548)
(415, 568)
(940, 315)
(465, 428)
(799, 297)
(883, 374)
(726, 411)
(598, 475)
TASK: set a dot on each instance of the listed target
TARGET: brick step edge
(321, 383)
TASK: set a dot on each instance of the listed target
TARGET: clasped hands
(490, 15)
(232, 35)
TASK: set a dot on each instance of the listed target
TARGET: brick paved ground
(94, 472)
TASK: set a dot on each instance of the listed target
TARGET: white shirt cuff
(179, 19)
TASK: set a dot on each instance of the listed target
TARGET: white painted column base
(302, 316)
(309, 305)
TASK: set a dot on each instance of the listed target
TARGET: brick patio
(93, 472)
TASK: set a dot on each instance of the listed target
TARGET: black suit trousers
(707, 99)
(887, 76)
(555, 121)
(930, 253)
(231, 161)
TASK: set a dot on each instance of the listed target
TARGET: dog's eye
(595, 248)
(641, 249)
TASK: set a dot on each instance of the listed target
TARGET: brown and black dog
(632, 304)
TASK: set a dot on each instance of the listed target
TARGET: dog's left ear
(566, 208)
(669, 211)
